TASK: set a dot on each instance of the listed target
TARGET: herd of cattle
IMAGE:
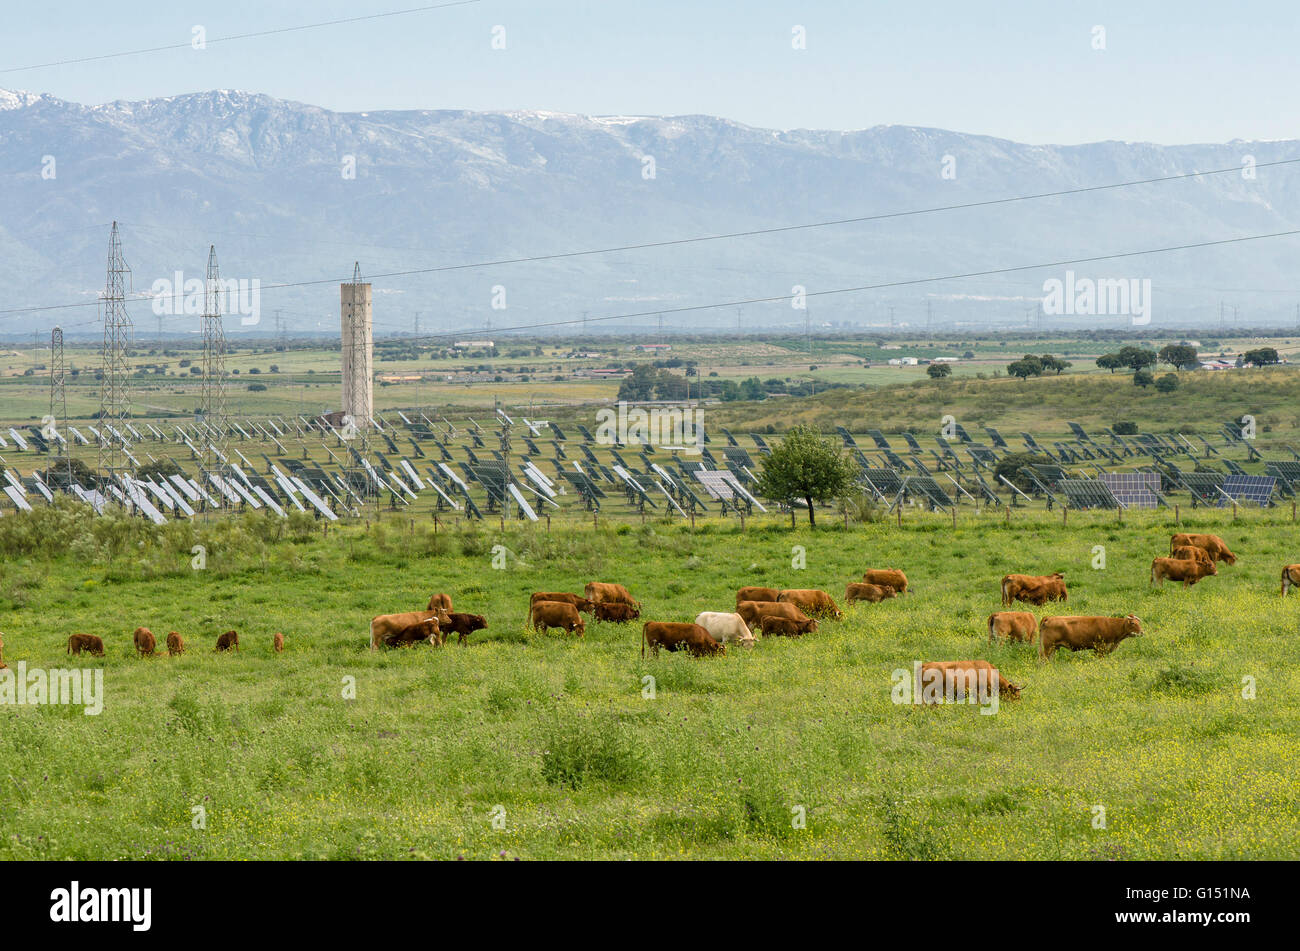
(771, 612)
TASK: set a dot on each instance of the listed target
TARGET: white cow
(726, 628)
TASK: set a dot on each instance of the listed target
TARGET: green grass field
(553, 736)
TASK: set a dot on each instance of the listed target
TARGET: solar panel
(1203, 485)
(1139, 490)
(884, 481)
(715, 484)
(1248, 488)
(931, 491)
(1287, 472)
(1087, 494)
(737, 456)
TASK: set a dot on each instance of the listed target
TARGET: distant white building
(474, 344)
(903, 361)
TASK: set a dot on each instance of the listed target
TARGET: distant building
(654, 347)
(474, 344)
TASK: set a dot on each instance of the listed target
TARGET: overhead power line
(697, 239)
(892, 284)
(238, 36)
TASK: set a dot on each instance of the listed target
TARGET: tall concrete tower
(358, 350)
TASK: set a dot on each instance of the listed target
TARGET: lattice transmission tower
(213, 402)
(115, 379)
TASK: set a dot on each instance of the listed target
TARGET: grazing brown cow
(811, 601)
(548, 614)
(960, 678)
(598, 591)
(564, 597)
(426, 630)
(616, 611)
(1013, 626)
(1213, 545)
(757, 594)
(384, 624)
(873, 593)
(1033, 589)
(1290, 578)
(1186, 570)
(753, 611)
(278, 642)
(175, 644)
(890, 577)
(88, 643)
(1186, 552)
(1100, 634)
(442, 601)
(226, 641)
(463, 625)
(689, 637)
(786, 627)
(145, 643)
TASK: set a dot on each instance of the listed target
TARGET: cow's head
(1209, 569)
(430, 630)
(584, 604)
(1132, 626)
(1229, 557)
(806, 627)
(1012, 691)
(580, 626)
(477, 622)
(748, 640)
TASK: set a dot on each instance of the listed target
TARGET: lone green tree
(805, 465)
(937, 371)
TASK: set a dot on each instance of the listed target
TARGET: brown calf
(463, 625)
(1013, 626)
(616, 612)
(1186, 570)
(226, 641)
(873, 593)
(145, 643)
(278, 642)
(786, 627)
(548, 614)
(691, 638)
(175, 644)
(87, 643)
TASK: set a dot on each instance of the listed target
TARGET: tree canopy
(805, 466)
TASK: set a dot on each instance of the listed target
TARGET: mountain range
(294, 194)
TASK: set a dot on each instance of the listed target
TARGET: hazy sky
(1171, 72)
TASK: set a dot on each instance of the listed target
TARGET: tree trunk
(812, 519)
